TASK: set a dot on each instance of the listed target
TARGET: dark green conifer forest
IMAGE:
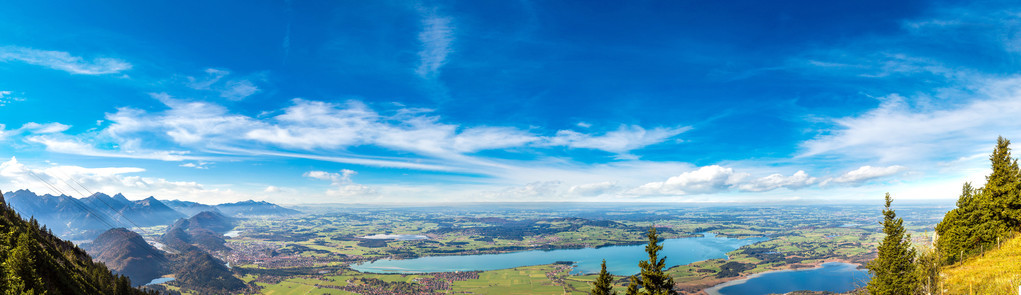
(984, 216)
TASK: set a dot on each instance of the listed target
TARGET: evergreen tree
(983, 216)
(604, 283)
(653, 281)
(893, 272)
(955, 230)
(632, 287)
(1001, 193)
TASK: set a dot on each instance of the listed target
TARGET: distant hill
(204, 230)
(998, 271)
(189, 208)
(255, 208)
(88, 217)
(192, 239)
(204, 273)
(36, 262)
(125, 252)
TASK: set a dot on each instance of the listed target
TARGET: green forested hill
(34, 261)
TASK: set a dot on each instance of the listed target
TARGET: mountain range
(86, 218)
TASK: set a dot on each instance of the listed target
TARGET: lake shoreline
(714, 290)
(708, 245)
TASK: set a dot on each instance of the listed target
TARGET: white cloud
(437, 37)
(37, 128)
(232, 89)
(239, 89)
(705, 180)
(196, 165)
(622, 140)
(534, 191)
(6, 97)
(896, 131)
(344, 186)
(75, 147)
(594, 189)
(32, 128)
(717, 179)
(798, 180)
(310, 125)
(866, 173)
(63, 61)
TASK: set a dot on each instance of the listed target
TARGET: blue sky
(402, 101)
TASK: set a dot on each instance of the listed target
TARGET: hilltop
(127, 253)
(995, 272)
(255, 208)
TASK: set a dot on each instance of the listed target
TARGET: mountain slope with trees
(126, 252)
(34, 261)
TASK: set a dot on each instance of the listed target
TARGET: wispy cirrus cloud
(64, 61)
(437, 38)
(217, 80)
(621, 141)
(896, 131)
(413, 138)
(867, 173)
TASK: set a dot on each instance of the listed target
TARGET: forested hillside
(984, 216)
(37, 262)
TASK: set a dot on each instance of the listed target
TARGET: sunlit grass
(997, 272)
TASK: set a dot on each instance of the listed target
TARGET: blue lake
(160, 280)
(620, 260)
(833, 276)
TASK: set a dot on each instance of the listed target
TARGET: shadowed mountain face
(204, 230)
(255, 208)
(204, 273)
(192, 239)
(125, 252)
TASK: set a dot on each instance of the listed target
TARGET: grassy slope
(998, 272)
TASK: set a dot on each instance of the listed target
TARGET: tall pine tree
(985, 215)
(604, 283)
(653, 281)
(893, 272)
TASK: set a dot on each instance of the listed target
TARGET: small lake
(395, 237)
(160, 280)
(620, 260)
(832, 276)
